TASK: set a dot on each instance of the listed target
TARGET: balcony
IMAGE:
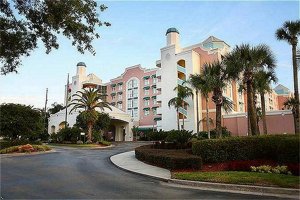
(181, 69)
(180, 82)
(182, 111)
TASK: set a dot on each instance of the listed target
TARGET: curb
(26, 154)
(223, 187)
(242, 189)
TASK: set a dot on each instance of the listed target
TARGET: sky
(138, 33)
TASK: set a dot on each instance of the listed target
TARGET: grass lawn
(246, 178)
(75, 145)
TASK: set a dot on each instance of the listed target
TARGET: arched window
(52, 129)
(181, 63)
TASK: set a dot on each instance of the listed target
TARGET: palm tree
(216, 76)
(248, 60)
(262, 82)
(89, 100)
(198, 82)
(183, 92)
(291, 104)
(290, 32)
(176, 102)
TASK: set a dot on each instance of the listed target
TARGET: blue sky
(137, 34)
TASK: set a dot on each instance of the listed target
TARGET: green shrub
(213, 134)
(157, 135)
(179, 137)
(166, 158)
(68, 134)
(17, 149)
(282, 149)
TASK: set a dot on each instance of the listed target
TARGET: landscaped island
(256, 160)
(28, 148)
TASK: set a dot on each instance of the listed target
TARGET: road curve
(88, 174)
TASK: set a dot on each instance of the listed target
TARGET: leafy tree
(291, 104)
(290, 32)
(25, 23)
(176, 102)
(262, 84)
(20, 121)
(89, 100)
(217, 76)
(199, 83)
(183, 92)
(248, 60)
(55, 108)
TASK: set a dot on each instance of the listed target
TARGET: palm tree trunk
(255, 109)
(197, 108)
(296, 89)
(251, 108)
(218, 120)
(207, 119)
(183, 116)
(263, 111)
(90, 127)
(178, 126)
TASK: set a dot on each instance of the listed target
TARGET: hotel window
(146, 112)
(135, 112)
(113, 88)
(146, 82)
(146, 102)
(129, 103)
(119, 96)
(120, 87)
(154, 111)
(135, 103)
(113, 97)
(120, 105)
(154, 90)
(130, 93)
(135, 93)
(146, 91)
(154, 101)
(154, 80)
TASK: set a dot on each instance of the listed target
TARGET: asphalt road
(88, 174)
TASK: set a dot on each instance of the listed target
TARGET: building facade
(121, 122)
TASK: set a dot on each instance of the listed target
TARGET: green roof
(170, 30)
(81, 64)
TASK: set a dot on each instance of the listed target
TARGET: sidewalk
(128, 162)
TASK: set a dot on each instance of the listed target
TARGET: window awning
(113, 94)
(120, 92)
(121, 83)
(120, 102)
(153, 97)
(153, 86)
(153, 75)
(146, 87)
(113, 85)
(146, 108)
(154, 107)
(146, 77)
(157, 118)
(146, 98)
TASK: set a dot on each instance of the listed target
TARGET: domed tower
(81, 69)
(172, 36)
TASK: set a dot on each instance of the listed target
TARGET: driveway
(88, 174)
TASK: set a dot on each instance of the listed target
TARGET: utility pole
(67, 99)
(45, 109)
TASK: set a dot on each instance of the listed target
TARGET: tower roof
(81, 64)
(170, 30)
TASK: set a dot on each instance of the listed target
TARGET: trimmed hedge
(6, 143)
(168, 158)
(282, 149)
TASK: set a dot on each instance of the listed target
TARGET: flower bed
(168, 158)
(25, 149)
